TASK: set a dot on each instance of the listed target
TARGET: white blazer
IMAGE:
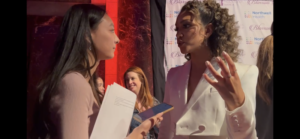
(205, 116)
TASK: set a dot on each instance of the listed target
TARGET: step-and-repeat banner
(254, 19)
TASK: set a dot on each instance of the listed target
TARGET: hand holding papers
(115, 114)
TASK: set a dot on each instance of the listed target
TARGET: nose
(179, 35)
(130, 81)
(117, 40)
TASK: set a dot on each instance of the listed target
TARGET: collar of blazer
(202, 86)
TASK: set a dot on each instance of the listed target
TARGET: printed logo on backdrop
(257, 14)
(169, 14)
(254, 54)
(251, 2)
(258, 40)
(169, 41)
(249, 40)
(176, 13)
(253, 40)
(177, 54)
(178, 1)
(259, 27)
(173, 66)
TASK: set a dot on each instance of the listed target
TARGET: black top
(264, 116)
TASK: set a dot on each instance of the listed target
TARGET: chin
(183, 50)
(109, 57)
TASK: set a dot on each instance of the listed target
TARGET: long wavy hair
(70, 54)
(265, 67)
(144, 95)
(225, 33)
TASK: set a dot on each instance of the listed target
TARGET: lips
(131, 87)
(180, 44)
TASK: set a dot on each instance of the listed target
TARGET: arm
(72, 111)
(166, 126)
(241, 121)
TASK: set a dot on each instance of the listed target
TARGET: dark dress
(264, 116)
(153, 133)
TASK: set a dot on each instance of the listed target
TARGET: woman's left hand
(228, 85)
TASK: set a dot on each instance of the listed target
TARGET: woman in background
(213, 95)
(136, 81)
(98, 81)
(68, 103)
(264, 99)
(100, 85)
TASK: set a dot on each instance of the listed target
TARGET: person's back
(264, 97)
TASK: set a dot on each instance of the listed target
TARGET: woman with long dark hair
(68, 103)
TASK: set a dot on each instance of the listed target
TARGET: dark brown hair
(70, 54)
(225, 35)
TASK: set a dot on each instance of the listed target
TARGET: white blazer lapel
(184, 81)
(181, 88)
(202, 86)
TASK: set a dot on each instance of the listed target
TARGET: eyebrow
(185, 20)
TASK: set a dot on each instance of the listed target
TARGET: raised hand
(228, 85)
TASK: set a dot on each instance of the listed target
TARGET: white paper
(115, 114)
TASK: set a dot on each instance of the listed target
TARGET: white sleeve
(241, 121)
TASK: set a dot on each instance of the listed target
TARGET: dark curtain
(157, 16)
(41, 35)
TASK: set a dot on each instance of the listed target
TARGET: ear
(208, 30)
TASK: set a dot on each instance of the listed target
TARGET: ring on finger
(234, 71)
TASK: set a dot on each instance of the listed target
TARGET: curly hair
(225, 35)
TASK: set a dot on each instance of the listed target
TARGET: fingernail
(225, 53)
(206, 63)
(218, 59)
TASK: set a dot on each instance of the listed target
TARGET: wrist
(238, 101)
